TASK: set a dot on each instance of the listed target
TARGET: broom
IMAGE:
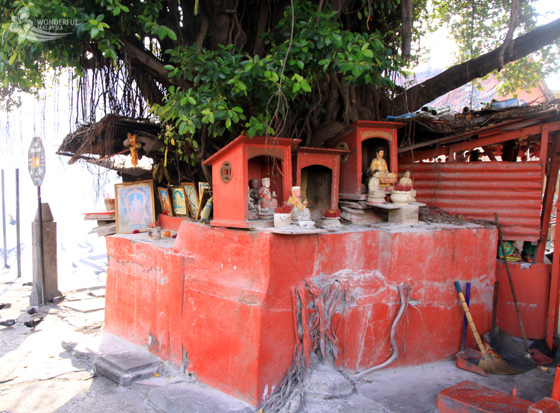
(488, 362)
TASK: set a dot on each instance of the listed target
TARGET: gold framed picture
(192, 197)
(165, 201)
(134, 206)
(179, 200)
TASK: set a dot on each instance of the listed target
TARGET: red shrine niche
(362, 140)
(236, 164)
(318, 174)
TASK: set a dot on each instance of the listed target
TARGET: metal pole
(4, 224)
(41, 264)
(18, 246)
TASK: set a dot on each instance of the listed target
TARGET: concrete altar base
(219, 300)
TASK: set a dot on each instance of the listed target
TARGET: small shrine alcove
(318, 174)
(362, 139)
(236, 164)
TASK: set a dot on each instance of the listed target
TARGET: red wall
(225, 296)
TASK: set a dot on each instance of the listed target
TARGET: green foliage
(231, 90)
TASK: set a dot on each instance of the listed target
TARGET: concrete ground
(52, 369)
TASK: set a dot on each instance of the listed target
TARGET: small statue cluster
(263, 202)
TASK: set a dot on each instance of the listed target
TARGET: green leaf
(169, 67)
(183, 127)
(93, 22)
(305, 86)
(191, 100)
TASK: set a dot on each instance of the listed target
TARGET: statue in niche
(386, 178)
(300, 212)
(380, 164)
(254, 190)
(252, 206)
(267, 198)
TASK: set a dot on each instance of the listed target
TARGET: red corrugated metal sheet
(478, 189)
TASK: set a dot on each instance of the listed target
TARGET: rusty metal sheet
(478, 189)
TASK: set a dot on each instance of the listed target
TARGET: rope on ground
(313, 312)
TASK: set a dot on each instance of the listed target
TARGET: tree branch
(463, 73)
(507, 46)
(152, 65)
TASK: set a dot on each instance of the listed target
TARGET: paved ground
(38, 374)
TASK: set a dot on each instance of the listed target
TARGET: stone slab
(124, 362)
(86, 306)
(472, 397)
(189, 398)
(293, 230)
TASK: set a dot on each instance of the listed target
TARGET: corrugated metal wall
(478, 189)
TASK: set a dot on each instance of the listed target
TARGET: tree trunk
(463, 73)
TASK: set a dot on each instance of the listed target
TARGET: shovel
(489, 363)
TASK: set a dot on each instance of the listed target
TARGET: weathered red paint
(531, 283)
(250, 158)
(467, 397)
(545, 405)
(478, 189)
(224, 295)
(357, 162)
(329, 158)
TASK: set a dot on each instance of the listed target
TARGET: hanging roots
(313, 311)
(404, 295)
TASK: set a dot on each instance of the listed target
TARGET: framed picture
(165, 201)
(192, 197)
(201, 187)
(134, 206)
(179, 200)
(204, 197)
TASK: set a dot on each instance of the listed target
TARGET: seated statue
(379, 163)
(254, 190)
(267, 199)
(300, 212)
(376, 195)
(405, 180)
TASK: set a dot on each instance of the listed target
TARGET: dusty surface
(38, 375)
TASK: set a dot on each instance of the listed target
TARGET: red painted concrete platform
(222, 297)
(468, 397)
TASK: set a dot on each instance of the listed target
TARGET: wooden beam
(552, 318)
(551, 179)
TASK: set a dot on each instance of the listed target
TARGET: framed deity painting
(134, 206)
(192, 197)
(179, 200)
(165, 201)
